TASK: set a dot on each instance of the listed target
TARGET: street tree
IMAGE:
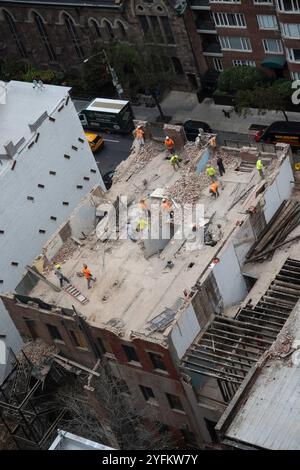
(117, 423)
(273, 97)
(141, 68)
(241, 78)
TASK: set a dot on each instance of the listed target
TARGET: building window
(217, 64)
(70, 25)
(263, 2)
(131, 353)
(174, 402)
(157, 29)
(14, 31)
(267, 22)
(225, 1)
(177, 65)
(290, 30)
(95, 26)
(54, 332)
(109, 31)
(147, 393)
(162, 428)
(157, 361)
(165, 23)
(121, 30)
(235, 43)
(78, 339)
(273, 46)
(288, 5)
(243, 63)
(44, 36)
(295, 75)
(229, 20)
(293, 55)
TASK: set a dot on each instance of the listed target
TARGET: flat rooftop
(131, 289)
(23, 106)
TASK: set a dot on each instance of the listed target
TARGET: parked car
(287, 132)
(192, 128)
(96, 141)
(107, 178)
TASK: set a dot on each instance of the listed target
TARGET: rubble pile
(229, 160)
(188, 187)
(136, 161)
(38, 352)
(64, 253)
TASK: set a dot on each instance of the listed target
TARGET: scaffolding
(27, 408)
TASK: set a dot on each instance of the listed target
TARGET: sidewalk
(183, 106)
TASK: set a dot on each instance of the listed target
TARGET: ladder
(70, 289)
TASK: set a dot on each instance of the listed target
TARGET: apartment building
(155, 299)
(256, 33)
(46, 168)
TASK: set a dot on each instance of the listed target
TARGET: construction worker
(213, 145)
(211, 172)
(58, 272)
(214, 189)
(88, 275)
(139, 135)
(169, 143)
(166, 204)
(141, 225)
(259, 167)
(174, 160)
(220, 165)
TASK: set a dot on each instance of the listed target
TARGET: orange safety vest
(169, 143)
(139, 133)
(214, 187)
(87, 273)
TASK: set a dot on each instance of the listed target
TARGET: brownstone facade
(61, 34)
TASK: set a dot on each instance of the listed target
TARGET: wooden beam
(232, 352)
(236, 341)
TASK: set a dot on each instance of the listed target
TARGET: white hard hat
(167, 137)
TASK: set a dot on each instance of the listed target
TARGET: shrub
(241, 78)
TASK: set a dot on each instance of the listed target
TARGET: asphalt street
(117, 147)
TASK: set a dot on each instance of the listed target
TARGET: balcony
(212, 49)
(199, 5)
(206, 27)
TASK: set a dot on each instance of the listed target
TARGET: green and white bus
(108, 115)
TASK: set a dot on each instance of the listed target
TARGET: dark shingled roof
(89, 3)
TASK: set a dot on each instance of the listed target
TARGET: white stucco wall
(185, 331)
(21, 219)
(229, 278)
(280, 189)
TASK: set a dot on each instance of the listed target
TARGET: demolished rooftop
(143, 284)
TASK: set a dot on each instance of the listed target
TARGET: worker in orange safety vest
(139, 135)
(88, 275)
(169, 143)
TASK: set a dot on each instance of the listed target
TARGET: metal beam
(209, 374)
(229, 359)
(249, 324)
(217, 374)
(211, 347)
(235, 341)
(244, 336)
(257, 316)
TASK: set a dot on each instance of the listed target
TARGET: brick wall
(32, 321)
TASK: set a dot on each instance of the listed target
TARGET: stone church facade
(60, 33)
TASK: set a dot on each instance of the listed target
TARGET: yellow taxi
(96, 142)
